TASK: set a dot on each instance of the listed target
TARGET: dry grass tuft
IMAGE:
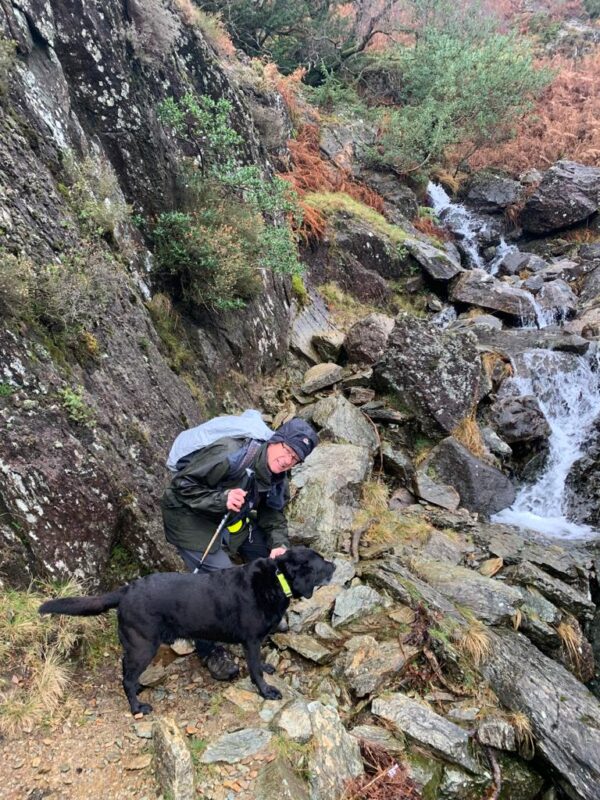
(35, 650)
(211, 26)
(524, 733)
(582, 236)
(467, 432)
(427, 226)
(571, 641)
(517, 619)
(497, 367)
(474, 642)
(345, 309)
(490, 567)
(385, 525)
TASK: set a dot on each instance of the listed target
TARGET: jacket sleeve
(274, 523)
(196, 484)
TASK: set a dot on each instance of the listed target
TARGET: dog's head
(305, 569)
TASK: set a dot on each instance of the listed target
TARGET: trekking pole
(214, 536)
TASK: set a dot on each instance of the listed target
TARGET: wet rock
(569, 193)
(515, 262)
(534, 283)
(479, 320)
(368, 665)
(565, 596)
(481, 487)
(478, 288)
(335, 757)
(353, 603)
(340, 421)
(320, 376)
(234, 747)
(512, 343)
(427, 728)
(437, 264)
(305, 645)
(582, 486)
(280, 779)
(326, 494)
(561, 710)
(366, 340)
(491, 601)
(519, 419)
(173, 760)
(435, 373)
(557, 298)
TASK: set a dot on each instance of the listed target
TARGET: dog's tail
(83, 606)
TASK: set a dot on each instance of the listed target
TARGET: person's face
(280, 457)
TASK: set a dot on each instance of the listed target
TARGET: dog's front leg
(255, 668)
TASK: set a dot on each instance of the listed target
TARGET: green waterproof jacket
(195, 502)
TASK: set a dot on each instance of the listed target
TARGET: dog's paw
(268, 668)
(143, 708)
(270, 692)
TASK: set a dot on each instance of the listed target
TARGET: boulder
(519, 419)
(328, 344)
(512, 343)
(481, 487)
(340, 421)
(305, 645)
(294, 721)
(557, 591)
(395, 193)
(354, 603)
(433, 372)
(172, 760)
(491, 194)
(490, 600)
(326, 492)
(366, 340)
(321, 376)
(434, 491)
(427, 729)
(335, 757)
(478, 288)
(562, 712)
(515, 262)
(569, 193)
(368, 666)
(437, 264)
(582, 487)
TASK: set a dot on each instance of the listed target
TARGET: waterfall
(459, 220)
(567, 388)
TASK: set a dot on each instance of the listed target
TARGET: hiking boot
(221, 665)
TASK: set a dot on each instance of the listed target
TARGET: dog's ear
(297, 563)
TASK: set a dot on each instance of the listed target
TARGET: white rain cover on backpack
(249, 424)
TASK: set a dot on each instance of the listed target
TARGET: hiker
(239, 476)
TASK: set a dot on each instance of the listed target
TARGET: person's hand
(277, 551)
(235, 499)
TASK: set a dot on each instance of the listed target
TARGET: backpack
(248, 425)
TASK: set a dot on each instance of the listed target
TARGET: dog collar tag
(284, 584)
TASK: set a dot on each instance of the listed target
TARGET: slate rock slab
(234, 747)
(335, 757)
(173, 760)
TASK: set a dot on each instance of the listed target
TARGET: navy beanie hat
(298, 435)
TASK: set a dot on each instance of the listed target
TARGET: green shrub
(16, 275)
(6, 389)
(77, 409)
(94, 195)
(234, 221)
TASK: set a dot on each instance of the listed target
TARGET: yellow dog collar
(284, 584)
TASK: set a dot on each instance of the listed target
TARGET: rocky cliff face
(86, 430)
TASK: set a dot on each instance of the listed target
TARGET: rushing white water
(458, 219)
(502, 250)
(567, 388)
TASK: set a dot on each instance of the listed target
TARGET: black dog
(237, 605)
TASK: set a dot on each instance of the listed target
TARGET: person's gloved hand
(277, 551)
(235, 499)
